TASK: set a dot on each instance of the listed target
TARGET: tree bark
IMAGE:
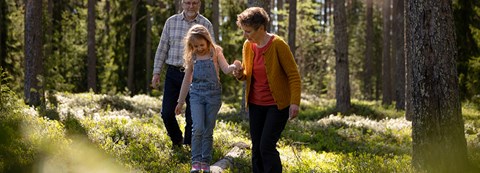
(215, 20)
(131, 59)
(342, 92)
(227, 161)
(33, 89)
(148, 53)
(292, 26)
(280, 17)
(3, 32)
(439, 143)
(325, 13)
(178, 6)
(368, 65)
(92, 52)
(386, 68)
(399, 47)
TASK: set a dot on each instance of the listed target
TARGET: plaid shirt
(170, 48)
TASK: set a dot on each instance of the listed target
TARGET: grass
(126, 134)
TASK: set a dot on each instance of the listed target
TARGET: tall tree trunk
(439, 143)
(399, 48)
(342, 92)
(393, 61)
(33, 89)
(148, 47)
(178, 6)
(215, 19)
(3, 32)
(368, 65)
(292, 26)
(386, 69)
(202, 7)
(325, 13)
(92, 53)
(280, 17)
(265, 4)
(131, 57)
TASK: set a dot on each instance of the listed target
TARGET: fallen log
(227, 161)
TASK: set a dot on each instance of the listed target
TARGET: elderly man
(170, 53)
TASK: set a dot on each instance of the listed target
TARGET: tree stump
(227, 161)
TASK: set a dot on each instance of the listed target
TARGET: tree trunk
(131, 57)
(215, 20)
(280, 17)
(292, 26)
(368, 65)
(393, 62)
(342, 92)
(178, 6)
(386, 68)
(439, 143)
(148, 53)
(228, 161)
(92, 53)
(3, 32)
(398, 44)
(33, 89)
(325, 13)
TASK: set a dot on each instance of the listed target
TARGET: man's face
(191, 7)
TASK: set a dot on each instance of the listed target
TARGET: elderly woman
(273, 87)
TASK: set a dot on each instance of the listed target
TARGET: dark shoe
(178, 144)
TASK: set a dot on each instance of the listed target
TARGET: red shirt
(260, 93)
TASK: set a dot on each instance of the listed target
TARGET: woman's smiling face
(252, 34)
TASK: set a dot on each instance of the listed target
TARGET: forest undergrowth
(115, 133)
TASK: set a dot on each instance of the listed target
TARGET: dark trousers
(173, 83)
(266, 126)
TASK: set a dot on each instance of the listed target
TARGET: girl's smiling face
(200, 46)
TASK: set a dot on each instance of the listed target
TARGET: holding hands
(238, 72)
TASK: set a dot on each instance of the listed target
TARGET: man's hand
(155, 81)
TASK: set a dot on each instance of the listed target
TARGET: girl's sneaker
(196, 167)
(205, 167)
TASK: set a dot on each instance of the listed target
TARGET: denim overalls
(205, 102)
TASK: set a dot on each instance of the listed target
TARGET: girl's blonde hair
(194, 33)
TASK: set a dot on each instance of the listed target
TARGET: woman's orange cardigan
(282, 73)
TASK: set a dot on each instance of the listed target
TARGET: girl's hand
(238, 64)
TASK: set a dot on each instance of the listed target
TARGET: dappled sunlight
(88, 136)
(297, 158)
(352, 133)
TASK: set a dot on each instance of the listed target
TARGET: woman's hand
(293, 112)
(178, 109)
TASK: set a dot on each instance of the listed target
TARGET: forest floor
(105, 133)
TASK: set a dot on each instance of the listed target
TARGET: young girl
(203, 59)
